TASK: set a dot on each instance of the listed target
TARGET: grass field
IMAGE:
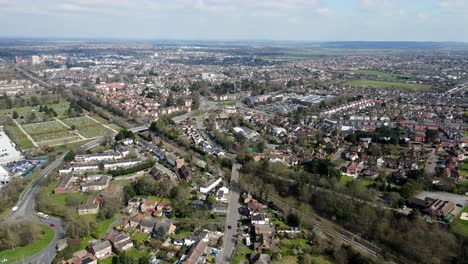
(18, 137)
(14, 255)
(381, 74)
(60, 109)
(241, 254)
(87, 127)
(460, 226)
(464, 169)
(389, 85)
(46, 131)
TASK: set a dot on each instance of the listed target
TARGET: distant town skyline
(299, 20)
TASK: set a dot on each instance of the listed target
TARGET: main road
(232, 217)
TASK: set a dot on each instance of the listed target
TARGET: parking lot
(8, 152)
(21, 166)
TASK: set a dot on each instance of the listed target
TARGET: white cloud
(381, 7)
(324, 11)
(453, 5)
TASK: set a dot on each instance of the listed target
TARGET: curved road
(26, 208)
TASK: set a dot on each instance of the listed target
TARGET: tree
(69, 156)
(15, 115)
(293, 220)
(170, 100)
(101, 166)
(432, 136)
(98, 80)
(196, 101)
(73, 127)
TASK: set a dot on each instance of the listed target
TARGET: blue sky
(314, 20)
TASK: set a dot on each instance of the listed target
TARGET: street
(232, 217)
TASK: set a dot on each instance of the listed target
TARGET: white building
(209, 186)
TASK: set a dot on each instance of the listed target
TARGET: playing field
(389, 85)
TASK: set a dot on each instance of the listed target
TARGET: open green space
(381, 74)
(316, 259)
(15, 133)
(87, 127)
(241, 253)
(464, 169)
(389, 85)
(16, 254)
(459, 226)
(46, 131)
(288, 244)
(346, 179)
(60, 108)
(139, 237)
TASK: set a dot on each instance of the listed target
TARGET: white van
(14, 208)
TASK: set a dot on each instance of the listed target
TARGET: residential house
(121, 241)
(95, 183)
(148, 206)
(102, 249)
(185, 173)
(147, 224)
(210, 185)
(164, 224)
(90, 206)
(81, 257)
(196, 252)
(65, 184)
(135, 220)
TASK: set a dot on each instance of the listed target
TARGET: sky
(300, 20)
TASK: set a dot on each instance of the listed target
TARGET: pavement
(455, 198)
(232, 217)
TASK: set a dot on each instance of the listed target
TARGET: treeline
(165, 127)
(410, 237)
(147, 186)
(10, 193)
(8, 102)
(107, 111)
(377, 135)
(18, 234)
(413, 238)
(142, 166)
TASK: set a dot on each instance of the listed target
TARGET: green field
(14, 255)
(460, 226)
(389, 85)
(18, 136)
(464, 169)
(87, 127)
(381, 74)
(46, 131)
(60, 109)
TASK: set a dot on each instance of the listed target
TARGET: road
(431, 163)
(26, 207)
(205, 105)
(232, 217)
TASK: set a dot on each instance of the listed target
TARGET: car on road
(14, 208)
(52, 225)
(229, 226)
